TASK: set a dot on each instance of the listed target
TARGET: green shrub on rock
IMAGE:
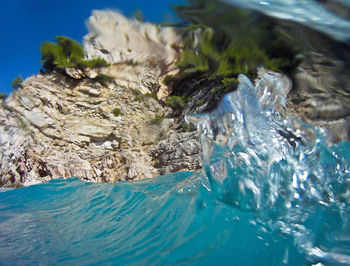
(117, 112)
(3, 96)
(17, 82)
(185, 127)
(176, 102)
(230, 83)
(104, 80)
(67, 53)
(95, 63)
(168, 79)
(157, 120)
(152, 95)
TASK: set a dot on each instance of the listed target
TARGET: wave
(272, 191)
(260, 160)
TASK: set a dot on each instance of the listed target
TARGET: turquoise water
(272, 192)
(263, 198)
(168, 220)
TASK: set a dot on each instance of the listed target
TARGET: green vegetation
(241, 44)
(139, 97)
(104, 80)
(169, 79)
(176, 102)
(95, 63)
(152, 95)
(3, 96)
(157, 120)
(117, 112)
(185, 127)
(17, 82)
(67, 53)
(243, 40)
(218, 56)
(230, 82)
(219, 48)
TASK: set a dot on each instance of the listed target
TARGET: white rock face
(70, 132)
(148, 50)
(13, 142)
(118, 39)
(72, 126)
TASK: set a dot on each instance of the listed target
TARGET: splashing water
(279, 168)
(272, 192)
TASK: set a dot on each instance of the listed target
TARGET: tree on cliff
(67, 53)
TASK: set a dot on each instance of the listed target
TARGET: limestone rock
(118, 39)
(61, 131)
(70, 125)
(181, 151)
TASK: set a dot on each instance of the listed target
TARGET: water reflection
(324, 15)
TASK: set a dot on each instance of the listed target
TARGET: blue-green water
(167, 220)
(272, 192)
(263, 198)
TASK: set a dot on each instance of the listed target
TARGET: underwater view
(274, 185)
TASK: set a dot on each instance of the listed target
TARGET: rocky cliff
(68, 123)
(71, 125)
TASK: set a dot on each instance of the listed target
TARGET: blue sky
(25, 24)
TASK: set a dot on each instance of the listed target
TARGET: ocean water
(272, 191)
(266, 196)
